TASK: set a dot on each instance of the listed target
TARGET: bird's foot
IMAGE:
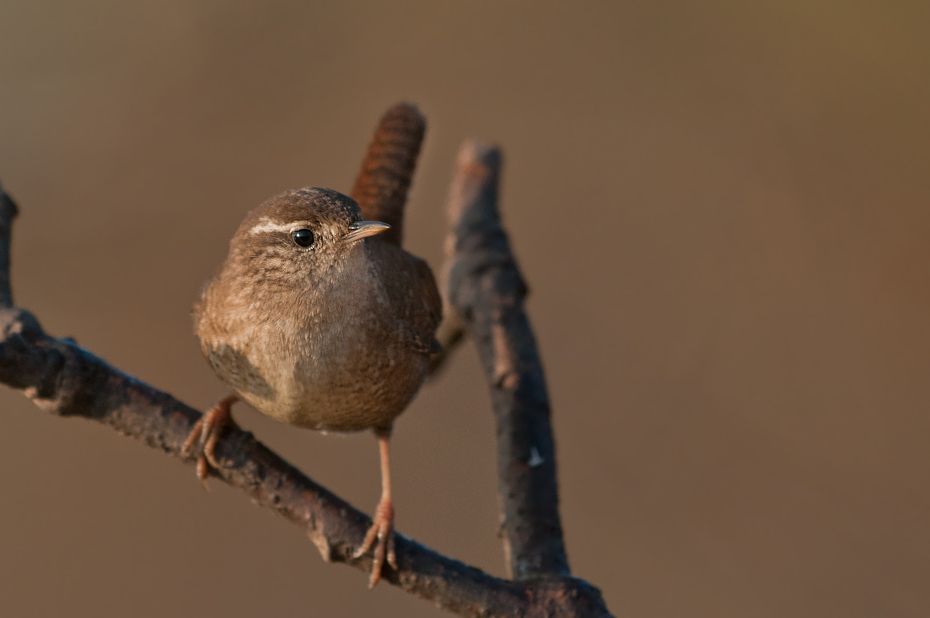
(382, 529)
(205, 435)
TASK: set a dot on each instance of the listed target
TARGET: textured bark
(486, 288)
(64, 379)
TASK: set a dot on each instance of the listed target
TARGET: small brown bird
(317, 322)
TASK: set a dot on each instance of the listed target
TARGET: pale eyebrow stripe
(267, 225)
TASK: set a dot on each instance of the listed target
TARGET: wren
(317, 322)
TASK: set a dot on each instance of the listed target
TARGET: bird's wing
(412, 293)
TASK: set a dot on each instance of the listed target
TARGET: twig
(452, 330)
(487, 290)
(8, 212)
(450, 334)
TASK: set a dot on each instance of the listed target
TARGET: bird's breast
(330, 361)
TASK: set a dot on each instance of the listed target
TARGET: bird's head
(299, 238)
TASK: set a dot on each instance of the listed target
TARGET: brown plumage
(382, 183)
(317, 322)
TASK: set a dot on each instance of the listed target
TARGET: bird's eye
(303, 237)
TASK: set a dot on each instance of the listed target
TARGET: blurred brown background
(723, 215)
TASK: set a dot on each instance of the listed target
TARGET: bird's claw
(205, 434)
(382, 530)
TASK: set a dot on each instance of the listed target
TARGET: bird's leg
(382, 525)
(205, 434)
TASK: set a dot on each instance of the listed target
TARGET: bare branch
(8, 212)
(486, 288)
(451, 330)
(383, 181)
(64, 379)
(450, 334)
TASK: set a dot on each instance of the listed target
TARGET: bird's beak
(361, 229)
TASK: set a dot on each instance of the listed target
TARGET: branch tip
(485, 286)
(8, 212)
